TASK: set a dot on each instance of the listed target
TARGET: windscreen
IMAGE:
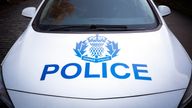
(134, 14)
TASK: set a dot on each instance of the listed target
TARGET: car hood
(158, 55)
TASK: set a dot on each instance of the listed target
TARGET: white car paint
(168, 65)
(142, 48)
(165, 100)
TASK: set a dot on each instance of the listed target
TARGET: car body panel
(152, 48)
(165, 100)
(167, 62)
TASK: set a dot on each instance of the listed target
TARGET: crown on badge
(97, 40)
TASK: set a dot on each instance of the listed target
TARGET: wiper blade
(109, 27)
(66, 28)
(89, 28)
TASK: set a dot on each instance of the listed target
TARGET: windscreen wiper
(89, 28)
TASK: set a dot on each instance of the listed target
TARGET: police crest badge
(96, 49)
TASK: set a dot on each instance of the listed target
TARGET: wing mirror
(29, 12)
(164, 10)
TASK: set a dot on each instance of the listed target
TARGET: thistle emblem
(96, 43)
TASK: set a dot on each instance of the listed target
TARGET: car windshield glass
(96, 15)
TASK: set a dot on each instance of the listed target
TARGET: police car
(96, 54)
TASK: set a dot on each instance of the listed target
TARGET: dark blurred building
(184, 6)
